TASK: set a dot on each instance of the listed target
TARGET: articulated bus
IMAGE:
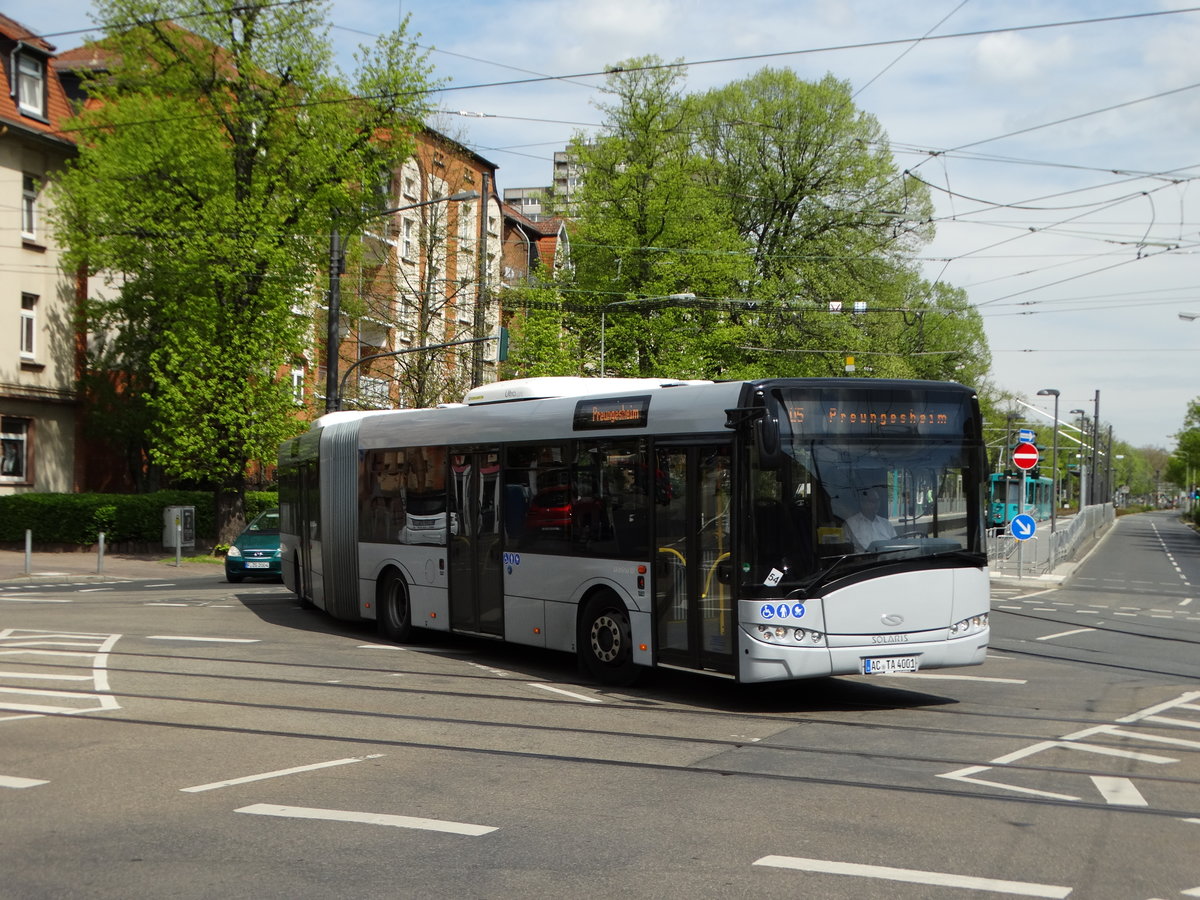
(638, 523)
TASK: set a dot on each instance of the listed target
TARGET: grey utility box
(179, 527)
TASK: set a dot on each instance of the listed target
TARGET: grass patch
(202, 559)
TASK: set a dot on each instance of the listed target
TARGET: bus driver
(866, 525)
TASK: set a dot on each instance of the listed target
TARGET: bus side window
(625, 467)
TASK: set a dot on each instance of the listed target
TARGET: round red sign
(1025, 456)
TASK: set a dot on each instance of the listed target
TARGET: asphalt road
(192, 738)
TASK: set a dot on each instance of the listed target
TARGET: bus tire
(605, 641)
(393, 612)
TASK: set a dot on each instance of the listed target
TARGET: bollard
(28, 551)
(100, 556)
(178, 542)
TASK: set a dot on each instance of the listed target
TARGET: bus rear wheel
(605, 641)
(393, 612)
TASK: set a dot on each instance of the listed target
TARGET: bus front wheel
(393, 613)
(605, 642)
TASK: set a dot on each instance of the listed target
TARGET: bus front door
(476, 583)
(692, 591)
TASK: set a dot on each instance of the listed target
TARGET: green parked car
(255, 553)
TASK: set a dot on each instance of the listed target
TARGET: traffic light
(502, 349)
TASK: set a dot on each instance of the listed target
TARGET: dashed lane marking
(364, 818)
(916, 876)
(1061, 634)
(208, 640)
(571, 694)
(263, 776)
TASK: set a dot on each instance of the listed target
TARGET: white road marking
(1050, 637)
(1182, 700)
(936, 676)
(966, 775)
(163, 603)
(277, 774)
(379, 647)
(1119, 791)
(167, 584)
(916, 876)
(16, 645)
(93, 590)
(212, 640)
(40, 676)
(571, 694)
(1191, 892)
(11, 781)
(343, 815)
(33, 600)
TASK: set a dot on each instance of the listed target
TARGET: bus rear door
(476, 580)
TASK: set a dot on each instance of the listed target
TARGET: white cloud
(1010, 57)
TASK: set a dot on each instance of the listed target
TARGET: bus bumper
(761, 661)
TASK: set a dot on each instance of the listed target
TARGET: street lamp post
(333, 399)
(1082, 455)
(675, 298)
(1052, 392)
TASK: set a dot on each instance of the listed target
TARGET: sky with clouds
(1059, 141)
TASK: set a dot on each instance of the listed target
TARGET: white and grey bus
(754, 530)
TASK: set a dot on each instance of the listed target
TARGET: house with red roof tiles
(40, 347)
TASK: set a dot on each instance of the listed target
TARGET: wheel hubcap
(606, 639)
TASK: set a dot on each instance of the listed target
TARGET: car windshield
(265, 523)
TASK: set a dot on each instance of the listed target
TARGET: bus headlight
(782, 634)
(972, 625)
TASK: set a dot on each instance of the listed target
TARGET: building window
(410, 187)
(31, 85)
(298, 386)
(28, 325)
(29, 207)
(408, 249)
(14, 449)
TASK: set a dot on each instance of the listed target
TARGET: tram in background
(715, 527)
(1005, 500)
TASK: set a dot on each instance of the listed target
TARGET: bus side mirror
(766, 441)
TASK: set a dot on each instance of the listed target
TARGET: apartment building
(40, 351)
(428, 275)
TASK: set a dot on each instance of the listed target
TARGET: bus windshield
(845, 495)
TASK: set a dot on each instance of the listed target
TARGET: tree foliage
(213, 160)
(719, 233)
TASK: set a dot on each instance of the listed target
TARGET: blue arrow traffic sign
(1023, 527)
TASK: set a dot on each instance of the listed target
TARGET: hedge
(135, 518)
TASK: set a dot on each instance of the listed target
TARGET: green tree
(812, 187)
(648, 227)
(212, 164)
(768, 200)
(541, 344)
(1185, 461)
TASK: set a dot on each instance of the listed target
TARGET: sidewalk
(64, 568)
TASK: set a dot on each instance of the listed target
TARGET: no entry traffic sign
(1025, 456)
